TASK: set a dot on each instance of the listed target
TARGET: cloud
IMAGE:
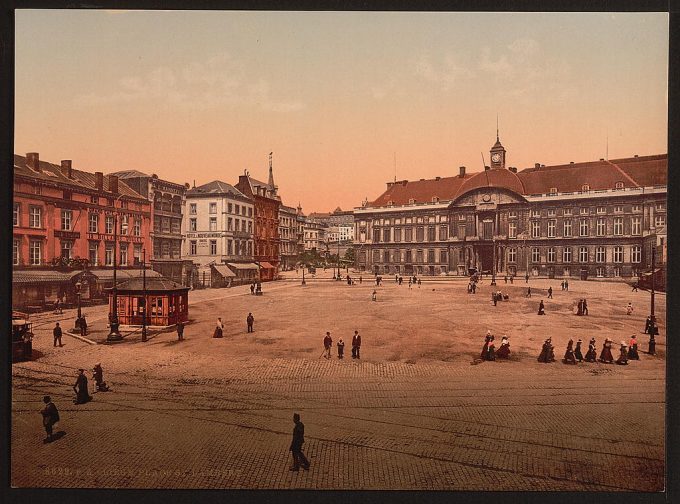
(446, 74)
(219, 81)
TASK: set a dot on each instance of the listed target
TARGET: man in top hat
(50, 416)
(549, 292)
(356, 345)
(327, 342)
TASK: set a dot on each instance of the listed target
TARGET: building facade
(167, 209)
(288, 234)
(219, 223)
(71, 219)
(267, 241)
(583, 220)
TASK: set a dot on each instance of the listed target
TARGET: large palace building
(593, 219)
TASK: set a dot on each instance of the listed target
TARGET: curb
(81, 338)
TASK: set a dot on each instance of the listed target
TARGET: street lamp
(114, 335)
(493, 267)
(144, 294)
(652, 317)
(303, 274)
(78, 318)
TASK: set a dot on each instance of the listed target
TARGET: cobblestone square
(418, 411)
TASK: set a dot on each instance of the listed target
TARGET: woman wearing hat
(569, 354)
(606, 353)
(577, 351)
(547, 352)
(504, 350)
(485, 348)
(633, 348)
(591, 354)
(623, 354)
(98, 376)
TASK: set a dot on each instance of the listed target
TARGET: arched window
(585, 188)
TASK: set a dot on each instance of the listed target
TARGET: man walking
(327, 342)
(252, 288)
(356, 345)
(250, 321)
(299, 458)
(83, 326)
(50, 416)
(549, 292)
(57, 334)
(180, 330)
(526, 278)
(528, 292)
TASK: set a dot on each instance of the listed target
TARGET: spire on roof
(271, 173)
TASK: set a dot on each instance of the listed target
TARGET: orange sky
(204, 95)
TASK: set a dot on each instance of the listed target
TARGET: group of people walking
(489, 352)
(572, 355)
(328, 344)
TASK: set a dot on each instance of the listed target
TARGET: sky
(343, 99)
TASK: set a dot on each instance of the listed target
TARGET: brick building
(593, 219)
(288, 234)
(266, 237)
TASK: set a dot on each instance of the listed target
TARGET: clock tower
(497, 154)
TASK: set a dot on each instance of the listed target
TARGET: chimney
(437, 178)
(461, 171)
(390, 184)
(33, 161)
(635, 155)
(99, 180)
(513, 169)
(66, 169)
(113, 184)
(571, 162)
(601, 159)
(487, 168)
(537, 165)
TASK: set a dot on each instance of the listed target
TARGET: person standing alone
(57, 334)
(299, 458)
(250, 320)
(50, 416)
(356, 345)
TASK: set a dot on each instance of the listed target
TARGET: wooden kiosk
(168, 302)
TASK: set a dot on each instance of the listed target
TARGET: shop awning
(266, 265)
(42, 276)
(121, 274)
(242, 266)
(223, 270)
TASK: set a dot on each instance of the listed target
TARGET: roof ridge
(624, 173)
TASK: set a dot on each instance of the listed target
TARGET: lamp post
(144, 294)
(493, 268)
(77, 324)
(338, 260)
(303, 274)
(114, 335)
(652, 317)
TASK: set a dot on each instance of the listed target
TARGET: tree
(350, 254)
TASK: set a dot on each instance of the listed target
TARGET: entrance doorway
(485, 252)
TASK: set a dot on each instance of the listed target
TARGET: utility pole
(652, 325)
(114, 335)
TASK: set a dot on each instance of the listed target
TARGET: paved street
(417, 411)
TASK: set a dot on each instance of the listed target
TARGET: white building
(219, 231)
(342, 233)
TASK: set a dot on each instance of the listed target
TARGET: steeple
(271, 173)
(497, 151)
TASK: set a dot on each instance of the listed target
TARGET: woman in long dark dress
(633, 349)
(541, 308)
(569, 354)
(623, 354)
(591, 354)
(606, 354)
(547, 353)
(490, 352)
(504, 350)
(485, 348)
(577, 351)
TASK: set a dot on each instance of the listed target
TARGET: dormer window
(553, 190)
(619, 185)
(390, 203)
(585, 188)
(435, 199)
(411, 201)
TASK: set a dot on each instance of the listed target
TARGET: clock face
(496, 158)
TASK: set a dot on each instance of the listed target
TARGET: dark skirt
(485, 351)
(503, 352)
(591, 355)
(569, 357)
(217, 333)
(491, 354)
(606, 355)
(577, 354)
(633, 353)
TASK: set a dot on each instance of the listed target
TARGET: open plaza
(418, 411)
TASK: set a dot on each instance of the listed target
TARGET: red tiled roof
(81, 179)
(633, 172)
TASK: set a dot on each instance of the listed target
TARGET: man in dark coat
(528, 292)
(57, 334)
(80, 388)
(341, 348)
(327, 342)
(83, 326)
(356, 345)
(541, 308)
(299, 458)
(526, 278)
(249, 320)
(566, 285)
(585, 307)
(50, 416)
(98, 376)
(547, 352)
(549, 292)
(252, 289)
(180, 330)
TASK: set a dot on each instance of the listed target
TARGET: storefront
(221, 275)
(37, 290)
(168, 301)
(245, 272)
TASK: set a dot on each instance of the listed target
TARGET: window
(250, 211)
(551, 228)
(583, 254)
(213, 247)
(618, 226)
(618, 209)
(431, 234)
(567, 228)
(35, 252)
(637, 208)
(94, 200)
(192, 224)
(585, 188)
(124, 253)
(15, 252)
(15, 214)
(419, 256)
(237, 209)
(420, 233)
(213, 223)
(124, 220)
(601, 226)
(461, 217)
(619, 185)
(108, 254)
(567, 211)
(387, 235)
(137, 254)
(411, 201)
(636, 254)
(397, 234)
(636, 225)
(108, 225)
(35, 217)
(123, 204)
(443, 233)
(250, 227)
(512, 255)
(660, 207)
(601, 210)
(551, 255)
(192, 208)
(93, 223)
(430, 256)
(600, 254)
(618, 254)
(599, 271)
(535, 212)
(137, 228)
(551, 212)
(408, 258)
(93, 253)
(213, 208)
(443, 259)
(68, 195)
(512, 230)
(566, 255)
(583, 227)
(37, 190)
(659, 220)
(512, 214)
(66, 246)
(408, 234)
(535, 229)
(192, 247)
(535, 254)
(553, 190)
(584, 211)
